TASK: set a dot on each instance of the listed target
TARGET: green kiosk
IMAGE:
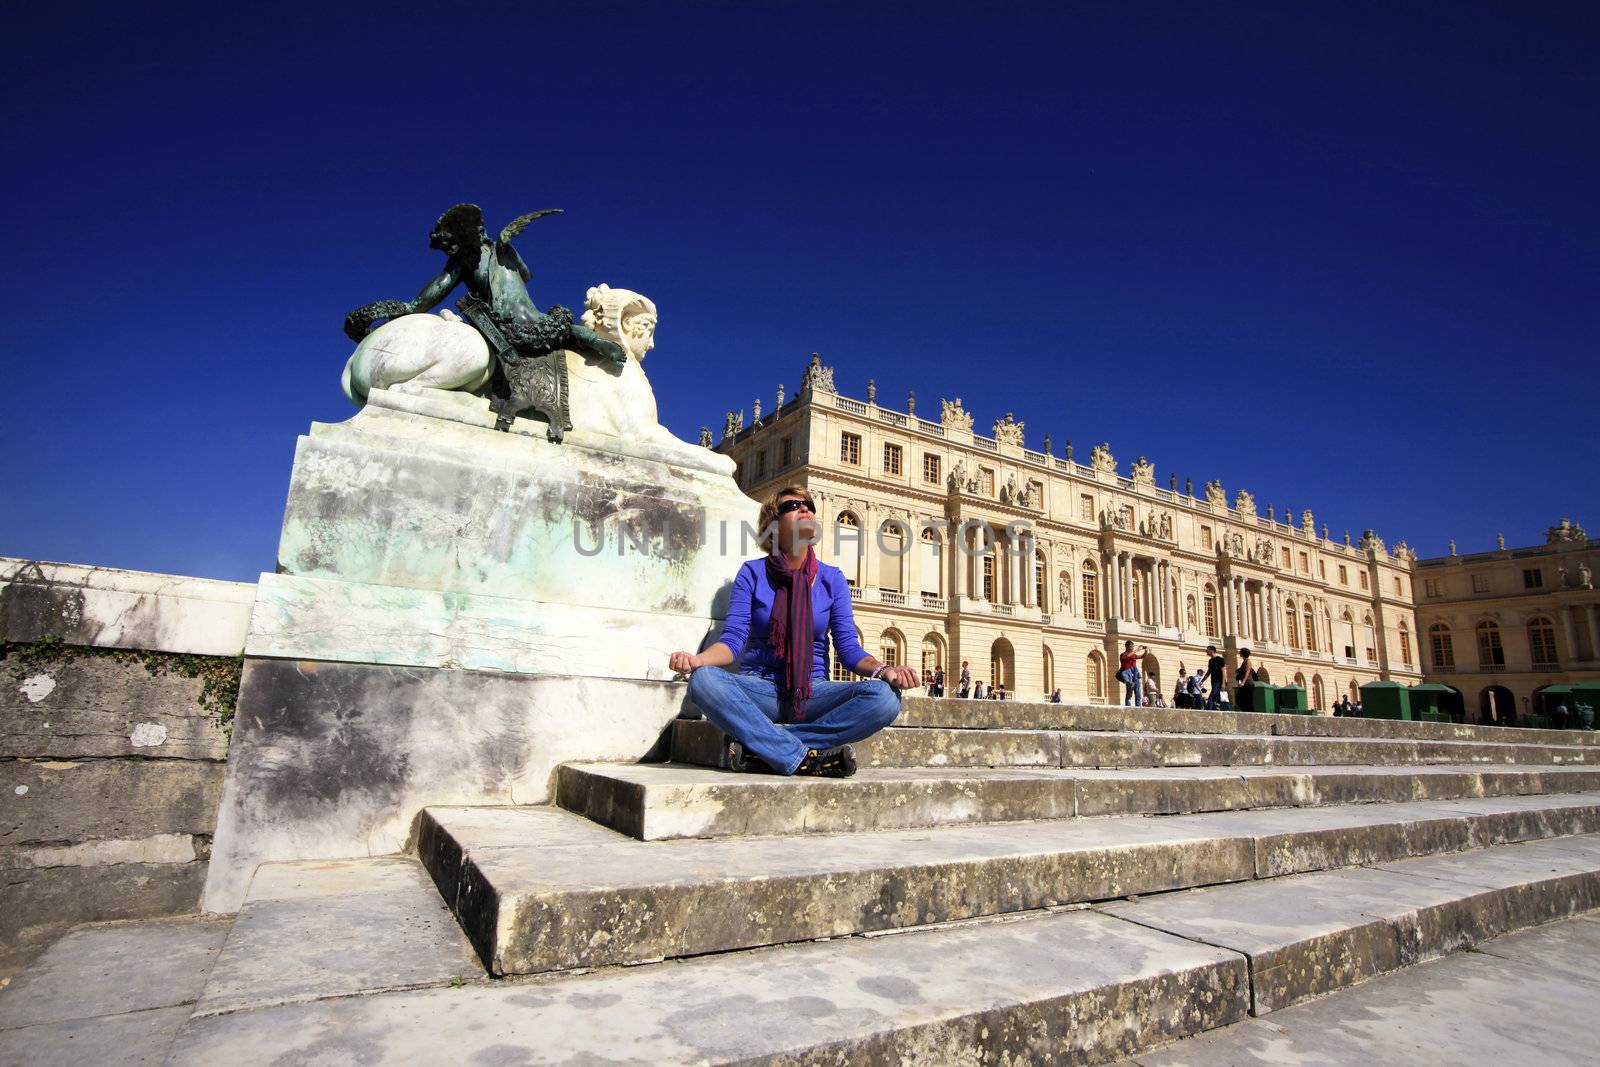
(1429, 702)
(1385, 700)
(1291, 700)
(1257, 696)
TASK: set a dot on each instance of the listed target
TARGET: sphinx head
(622, 315)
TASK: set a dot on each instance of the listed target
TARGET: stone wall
(113, 736)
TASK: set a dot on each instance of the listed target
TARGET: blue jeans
(745, 707)
(1133, 688)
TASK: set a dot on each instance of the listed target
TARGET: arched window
(1441, 646)
(891, 548)
(1002, 665)
(1210, 595)
(840, 672)
(987, 590)
(932, 652)
(1355, 692)
(1405, 643)
(1491, 654)
(1291, 616)
(847, 546)
(892, 648)
(1311, 630)
(1091, 592)
(931, 562)
(1049, 671)
(1094, 677)
(1369, 637)
(1316, 691)
(1039, 598)
(1542, 642)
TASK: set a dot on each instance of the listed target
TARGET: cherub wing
(520, 223)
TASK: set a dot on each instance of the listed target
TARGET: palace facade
(1501, 626)
(1034, 568)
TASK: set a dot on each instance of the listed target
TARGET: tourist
(966, 680)
(997, 693)
(1180, 692)
(1197, 696)
(1055, 696)
(977, 690)
(938, 681)
(781, 712)
(1214, 668)
(1245, 672)
(1128, 675)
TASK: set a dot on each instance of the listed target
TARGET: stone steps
(952, 713)
(657, 802)
(700, 742)
(541, 889)
(1066, 986)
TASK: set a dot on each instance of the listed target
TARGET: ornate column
(1127, 585)
(913, 562)
(1245, 629)
(1223, 596)
(1161, 592)
(1569, 622)
(1594, 631)
(1272, 611)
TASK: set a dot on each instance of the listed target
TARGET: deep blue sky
(1343, 255)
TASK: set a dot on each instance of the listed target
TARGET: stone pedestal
(455, 612)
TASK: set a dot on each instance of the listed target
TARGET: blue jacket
(750, 618)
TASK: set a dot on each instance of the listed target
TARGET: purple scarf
(789, 633)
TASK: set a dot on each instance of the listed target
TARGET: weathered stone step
(1078, 988)
(658, 802)
(952, 713)
(329, 928)
(700, 742)
(586, 902)
(1314, 933)
(1065, 987)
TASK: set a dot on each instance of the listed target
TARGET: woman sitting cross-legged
(781, 708)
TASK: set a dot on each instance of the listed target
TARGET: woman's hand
(685, 662)
(901, 677)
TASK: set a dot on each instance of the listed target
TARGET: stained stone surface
(428, 542)
(114, 968)
(337, 928)
(1069, 988)
(335, 760)
(529, 909)
(1525, 1000)
(663, 801)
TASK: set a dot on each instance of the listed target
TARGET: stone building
(1500, 626)
(1081, 556)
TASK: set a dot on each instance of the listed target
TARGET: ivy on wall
(219, 675)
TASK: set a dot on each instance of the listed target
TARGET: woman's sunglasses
(795, 505)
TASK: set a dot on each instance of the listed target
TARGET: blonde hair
(766, 524)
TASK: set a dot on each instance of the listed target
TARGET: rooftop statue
(527, 371)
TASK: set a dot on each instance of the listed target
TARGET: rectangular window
(1305, 564)
(1399, 590)
(930, 468)
(1322, 569)
(1405, 647)
(1490, 652)
(761, 464)
(1344, 576)
(1205, 538)
(1542, 640)
(1091, 596)
(1533, 578)
(1086, 507)
(891, 459)
(1363, 579)
(1211, 614)
(986, 481)
(1480, 583)
(988, 578)
(1430, 586)
(850, 449)
(1286, 561)
(787, 453)
(1444, 652)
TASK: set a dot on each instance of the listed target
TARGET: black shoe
(736, 758)
(837, 762)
